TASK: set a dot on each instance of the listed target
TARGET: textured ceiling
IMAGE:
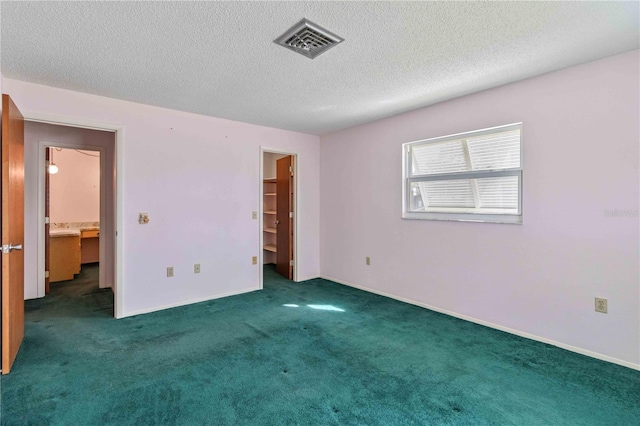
(219, 59)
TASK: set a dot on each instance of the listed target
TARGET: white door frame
(263, 150)
(118, 257)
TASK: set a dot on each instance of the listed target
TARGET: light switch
(143, 218)
(254, 215)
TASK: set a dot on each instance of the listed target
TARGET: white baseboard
(299, 280)
(571, 348)
(187, 302)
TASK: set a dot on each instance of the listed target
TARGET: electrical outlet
(254, 260)
(196, 268)
(368, 260)
(169, 271)
(601, 305)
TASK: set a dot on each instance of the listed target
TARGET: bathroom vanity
(69, 249)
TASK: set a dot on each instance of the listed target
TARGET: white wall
(198, 177)
(581, 147)
(75, 189)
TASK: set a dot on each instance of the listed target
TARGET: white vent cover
(308, 39)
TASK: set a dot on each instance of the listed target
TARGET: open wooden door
(284, 216)
(12, 232)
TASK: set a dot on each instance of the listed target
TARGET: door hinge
(291, 263)
(290, 214)
(46, 221)
(46, 274)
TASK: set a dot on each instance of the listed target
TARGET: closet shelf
(269, 210)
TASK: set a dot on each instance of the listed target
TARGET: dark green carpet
(250, 359)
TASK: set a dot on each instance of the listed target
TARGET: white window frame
(408, 178)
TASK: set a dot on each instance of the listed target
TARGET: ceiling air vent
(308, 39)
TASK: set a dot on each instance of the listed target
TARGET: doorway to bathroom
(74, 220)
(72, 213)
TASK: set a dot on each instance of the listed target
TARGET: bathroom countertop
(69, 232)
(67, 229)
(64, 232)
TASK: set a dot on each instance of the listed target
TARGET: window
(473, 176)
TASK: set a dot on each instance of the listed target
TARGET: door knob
(277, 222)
(8, 248)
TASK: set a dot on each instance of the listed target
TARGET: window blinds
(476, 173)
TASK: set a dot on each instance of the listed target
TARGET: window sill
(461, 217)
